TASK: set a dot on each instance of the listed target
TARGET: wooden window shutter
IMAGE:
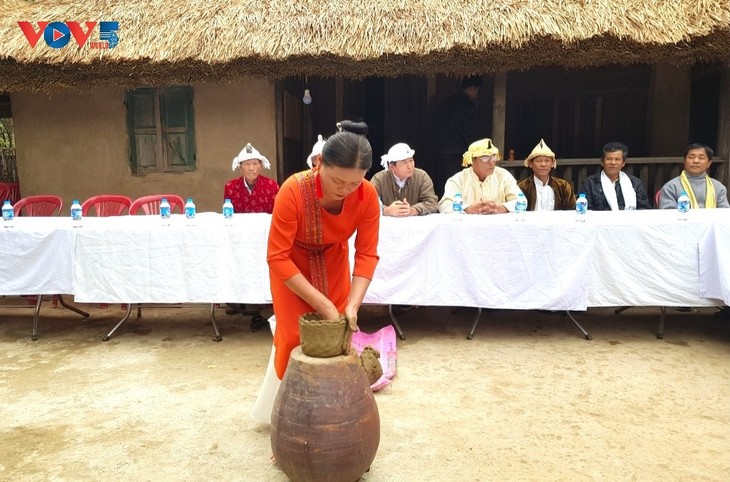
(176, 109)
(143, 124)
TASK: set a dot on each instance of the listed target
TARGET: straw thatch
(198, 40)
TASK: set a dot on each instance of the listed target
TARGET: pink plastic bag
(382, 340)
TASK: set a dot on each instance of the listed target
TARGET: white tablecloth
(647, 258)
(487, 261)
(714, 261)
(136, 259)
(37, 256)
(548, 261)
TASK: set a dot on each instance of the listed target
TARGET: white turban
(247, 153)
(398, 152)
(316, 150)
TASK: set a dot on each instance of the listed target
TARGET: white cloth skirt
(264, 405)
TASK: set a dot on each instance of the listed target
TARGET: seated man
(543, 191)
(485, 188)
(612, 189)
(702, 190)
(404, 189)
(250, 193)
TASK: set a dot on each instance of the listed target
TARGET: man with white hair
(252, 192)
(404, 190)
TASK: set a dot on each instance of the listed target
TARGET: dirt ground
(527, 399)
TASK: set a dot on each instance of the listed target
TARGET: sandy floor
(527, 399)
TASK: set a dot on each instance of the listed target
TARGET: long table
(548, 261)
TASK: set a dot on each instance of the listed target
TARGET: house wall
(75, 144)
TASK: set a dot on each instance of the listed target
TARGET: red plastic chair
(106, 205)
(10, 190)
(46, 205)
(151, 204)
(657, 198)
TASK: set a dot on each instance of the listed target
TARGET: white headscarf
(316, 150)
(249, 152)
(397, 153)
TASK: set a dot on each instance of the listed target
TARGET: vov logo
(58, 34)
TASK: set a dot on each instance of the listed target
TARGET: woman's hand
(327, 310)
(351, 317)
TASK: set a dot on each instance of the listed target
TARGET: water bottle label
(189, 212)
(165, 212)
(228, 212)
(683, 206)
(8, 214)
(581, 208)
(76, 214)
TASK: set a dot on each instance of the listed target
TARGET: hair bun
(356, 127)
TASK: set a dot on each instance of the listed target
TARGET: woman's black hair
(348, 148)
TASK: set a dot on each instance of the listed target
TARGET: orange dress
(306, 239)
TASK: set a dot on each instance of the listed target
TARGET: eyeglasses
(487, 158)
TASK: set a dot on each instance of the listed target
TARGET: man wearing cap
(611, 189)
(404, 190)
(485, 188)
(252, 192)
(702, 190)
(543, 191)
(316, 155)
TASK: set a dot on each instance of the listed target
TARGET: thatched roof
(165, 41)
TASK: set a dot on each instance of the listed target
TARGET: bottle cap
(227, 200)
(164, 199)
(190, 199)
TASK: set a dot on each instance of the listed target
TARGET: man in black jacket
(611, 189)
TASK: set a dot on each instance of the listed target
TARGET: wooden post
(339, 98)
(499, 112)
(723, 124)
(669, 96)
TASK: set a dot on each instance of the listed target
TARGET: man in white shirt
(543, 191)
(485, 187)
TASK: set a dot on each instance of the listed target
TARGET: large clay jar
(325, 425)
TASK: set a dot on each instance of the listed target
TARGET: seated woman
(611, 189)
(543, 191)
(250, 193)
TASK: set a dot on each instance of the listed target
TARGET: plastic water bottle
(190, 211)
(165, 211)
(520, 207)
(458, 204)
(228, 212)
(683, 206)
(8, 214)
(581, 208)
(76, 213)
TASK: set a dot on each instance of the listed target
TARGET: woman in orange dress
(315, 214)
